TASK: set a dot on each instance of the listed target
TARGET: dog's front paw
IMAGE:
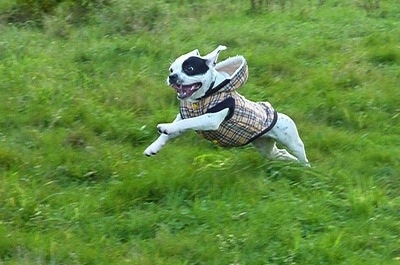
(152, 149)
(156, 146)
(167, 128)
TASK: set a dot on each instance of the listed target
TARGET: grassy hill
(83, 88)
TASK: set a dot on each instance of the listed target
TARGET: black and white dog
(210, 105)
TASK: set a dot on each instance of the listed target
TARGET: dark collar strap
(211, 90)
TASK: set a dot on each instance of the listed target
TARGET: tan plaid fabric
(239, 78)
(247, 121)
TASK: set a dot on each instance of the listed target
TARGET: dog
(210, 105)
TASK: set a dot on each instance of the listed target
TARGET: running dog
(211, 105)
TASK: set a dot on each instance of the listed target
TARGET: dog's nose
(173, 78)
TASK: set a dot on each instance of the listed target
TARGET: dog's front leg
(161, 140)
(205, 122)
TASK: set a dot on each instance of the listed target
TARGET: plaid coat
(246, 119)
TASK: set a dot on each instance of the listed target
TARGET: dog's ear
(212, 57)
(193, 53)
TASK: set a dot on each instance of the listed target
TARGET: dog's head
(191, 75)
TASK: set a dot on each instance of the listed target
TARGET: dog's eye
(189, 69)
(170, 70)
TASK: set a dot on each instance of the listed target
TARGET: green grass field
(82, 91)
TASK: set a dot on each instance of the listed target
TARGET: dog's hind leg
(285, 132)
(267, 147)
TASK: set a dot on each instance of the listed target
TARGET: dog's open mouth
(185, 91)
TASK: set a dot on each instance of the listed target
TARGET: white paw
(152, 149)
(167, 128)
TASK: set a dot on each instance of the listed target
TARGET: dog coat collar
(237, 70)
(211, 90)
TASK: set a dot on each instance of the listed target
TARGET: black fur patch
(195, 66)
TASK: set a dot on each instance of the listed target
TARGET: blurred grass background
(83, 87)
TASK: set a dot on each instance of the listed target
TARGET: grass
(81, 99)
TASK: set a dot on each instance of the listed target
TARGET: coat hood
(236, 70)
